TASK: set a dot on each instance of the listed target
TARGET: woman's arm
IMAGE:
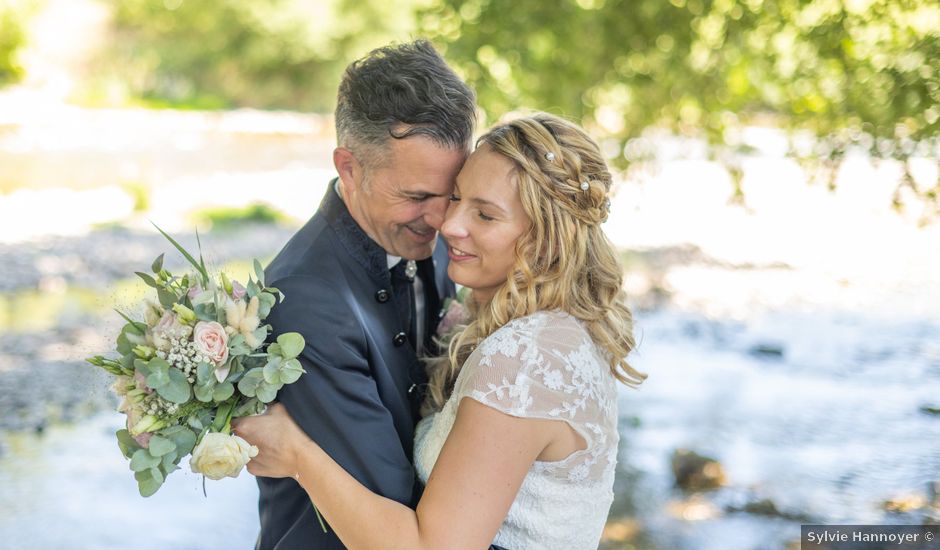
(481, 466)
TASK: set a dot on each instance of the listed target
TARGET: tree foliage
(838, 75)
(12, 39)
(851, 73)
(256, 53)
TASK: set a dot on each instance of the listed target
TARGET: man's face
(403, 203)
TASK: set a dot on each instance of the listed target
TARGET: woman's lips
(457, 255)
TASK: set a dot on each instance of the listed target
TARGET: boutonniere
(454, 312)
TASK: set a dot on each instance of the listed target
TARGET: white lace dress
(543, 366)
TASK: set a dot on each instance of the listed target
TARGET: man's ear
(348, 168)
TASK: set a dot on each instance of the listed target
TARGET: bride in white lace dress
(519, 449)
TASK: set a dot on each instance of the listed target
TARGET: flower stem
(319, 518)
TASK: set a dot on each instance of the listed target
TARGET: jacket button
(381, 296)
(400, 339)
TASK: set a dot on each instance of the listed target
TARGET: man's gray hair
(400, 91)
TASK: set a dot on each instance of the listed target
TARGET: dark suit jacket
(359, 397)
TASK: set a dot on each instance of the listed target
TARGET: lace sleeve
(542, 366)
(546, 366)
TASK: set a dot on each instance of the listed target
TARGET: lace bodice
(543, 366)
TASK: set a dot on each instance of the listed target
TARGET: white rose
(219, 455)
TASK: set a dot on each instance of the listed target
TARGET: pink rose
(141, 381)
(211, 341)
(456, 314)
(238, 291)
(133, 417)
(167, 329)
(143, 439)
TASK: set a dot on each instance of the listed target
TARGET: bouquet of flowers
(197, 360)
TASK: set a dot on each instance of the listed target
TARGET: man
(404, 123)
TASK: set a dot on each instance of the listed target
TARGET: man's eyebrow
(421, 194)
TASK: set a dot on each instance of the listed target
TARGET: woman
(527, 459)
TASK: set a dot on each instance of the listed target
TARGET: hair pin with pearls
(585, 185)
(549, 156)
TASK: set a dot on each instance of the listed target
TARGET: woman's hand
(279, 441)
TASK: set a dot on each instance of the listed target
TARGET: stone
(695, 472)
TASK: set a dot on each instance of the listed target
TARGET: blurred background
(777, 209)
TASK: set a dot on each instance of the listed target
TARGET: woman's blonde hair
(564, 261)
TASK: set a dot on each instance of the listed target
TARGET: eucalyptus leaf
(292, 343)
(266, 302)
(167, 298)
(275, 349)
(223, 391)
(142, 367)
(259, 272)
(267, 392)
(160, 446)
(126, 443)
(158, 378)
(290, 371)
(206, 312)
(127, 361)
(168, 463)
(157, 475)
(204, 372)
(182, 437)
(196, 423)
(124, 346)
(261, 333)
(204, 392)
(270, 370)
(142, 460)
(158, 372)
(238, 346)
(249, 384)
(178, 389)
(146, 483)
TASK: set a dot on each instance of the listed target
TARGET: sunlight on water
(56, 486)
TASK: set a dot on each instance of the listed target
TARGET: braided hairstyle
(563, 261)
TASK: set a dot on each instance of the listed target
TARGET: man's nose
(435, 211)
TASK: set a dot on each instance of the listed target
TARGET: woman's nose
(453, 227)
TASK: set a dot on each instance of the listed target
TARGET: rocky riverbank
(43, 376)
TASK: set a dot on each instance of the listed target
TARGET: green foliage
(854, 74)
(246, 53)
(232, 217)
(13, 17)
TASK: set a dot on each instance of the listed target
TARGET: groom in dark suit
(364, 281)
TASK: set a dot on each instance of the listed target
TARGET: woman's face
(484, 220)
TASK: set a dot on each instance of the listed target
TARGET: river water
(827, 425)
(796, 340)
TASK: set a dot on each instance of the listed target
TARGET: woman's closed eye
(454, 198)
(484, 217)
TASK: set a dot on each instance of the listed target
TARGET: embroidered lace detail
(543, 366)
